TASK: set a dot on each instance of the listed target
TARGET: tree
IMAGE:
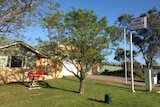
(147, 40)
(4, 40)
(16, 15)
(13, 13)
(119, 55)
(80, 38)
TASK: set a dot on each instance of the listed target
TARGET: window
(16, 61)
(3, 61)
(12, 61)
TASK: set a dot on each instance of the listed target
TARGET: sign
(139, 23)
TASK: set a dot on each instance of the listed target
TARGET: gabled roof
(26, 46)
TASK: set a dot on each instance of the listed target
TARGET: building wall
(8, 75)
(95, 69)
(28, 58)
(69, 66)
(50, 65)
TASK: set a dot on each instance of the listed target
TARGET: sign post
(131, 54)
(136, 24)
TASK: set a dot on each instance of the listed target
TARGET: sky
(112, 9)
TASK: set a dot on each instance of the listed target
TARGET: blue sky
(109, 8)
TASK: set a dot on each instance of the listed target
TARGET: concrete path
(121, 80)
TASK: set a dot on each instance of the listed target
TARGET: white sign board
(139, 23)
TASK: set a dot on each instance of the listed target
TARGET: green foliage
(4, 40)
(119, 70)
(119, 55)
(138, 70)
(81, 37)
(13, 13)
(83, 33)
(16, 15)
(89, 35)
(146, 40)
(125, 19)
(52, 21)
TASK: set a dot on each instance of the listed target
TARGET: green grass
(111, 68)
(63, 93)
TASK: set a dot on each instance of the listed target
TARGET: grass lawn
(63, 93)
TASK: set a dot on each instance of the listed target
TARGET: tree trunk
(81, 88)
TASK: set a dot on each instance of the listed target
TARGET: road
(121, 80)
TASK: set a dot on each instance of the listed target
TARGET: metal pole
(125, 64)
(132, 78)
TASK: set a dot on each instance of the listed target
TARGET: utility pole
(125, 64)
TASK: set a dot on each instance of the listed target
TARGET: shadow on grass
(99, 101)
(122, 86)
(114, 85)
(42, 84)
(46, 85)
